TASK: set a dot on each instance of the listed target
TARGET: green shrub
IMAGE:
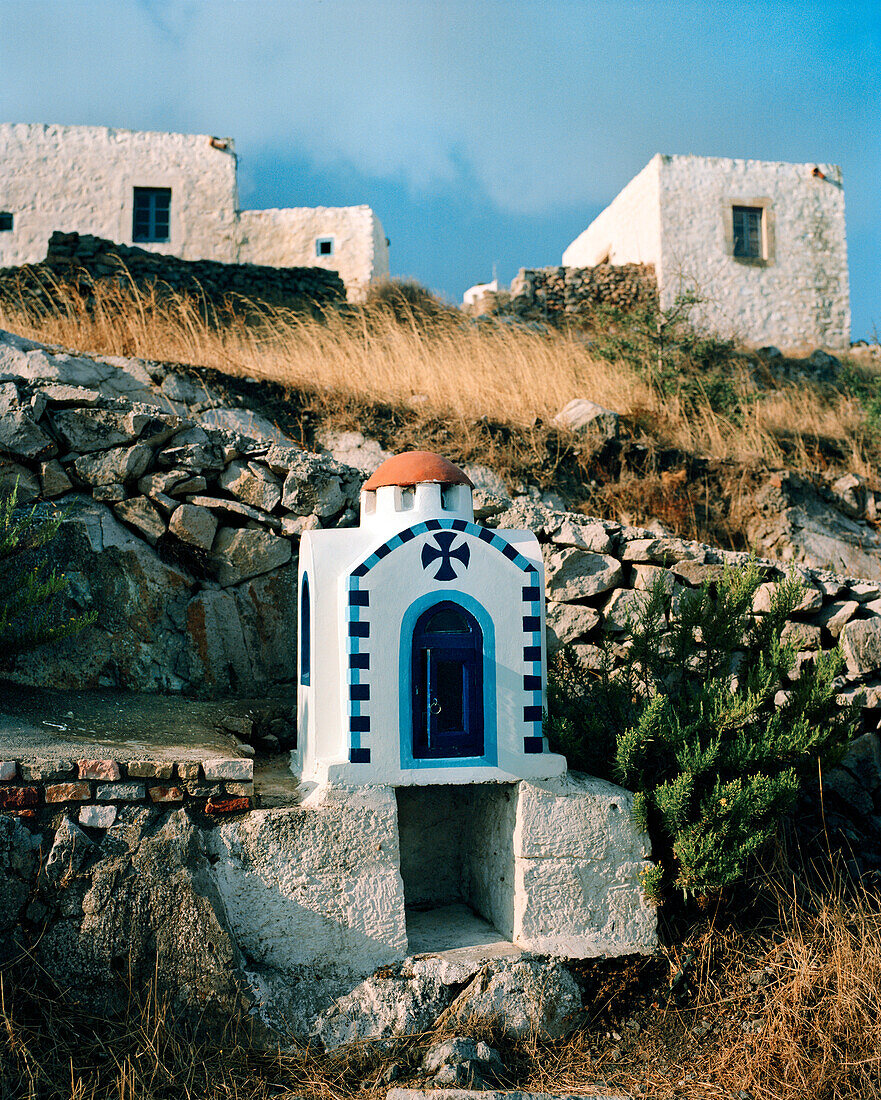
(32, 612)
(713, 757)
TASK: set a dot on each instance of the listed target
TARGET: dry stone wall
(554, 293)
(87, 262)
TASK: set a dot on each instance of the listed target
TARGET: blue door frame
(475, 662)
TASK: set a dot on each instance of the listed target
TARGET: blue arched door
(447, 683)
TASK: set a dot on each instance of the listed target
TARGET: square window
(5, 221)
(747, 224)
(324, 246)
(151, 214)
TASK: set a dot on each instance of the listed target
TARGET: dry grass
(451, 369)
(786, 1012)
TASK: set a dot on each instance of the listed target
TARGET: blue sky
(482, 132)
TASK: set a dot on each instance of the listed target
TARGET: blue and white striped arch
(358, 630)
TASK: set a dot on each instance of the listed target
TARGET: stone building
(169, 193)
(760, 243)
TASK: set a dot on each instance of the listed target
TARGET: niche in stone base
(457, 864)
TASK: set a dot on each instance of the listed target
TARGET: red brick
(68, 792)
(18, 797)
(98, 769)
(166, 794)
(227, 805)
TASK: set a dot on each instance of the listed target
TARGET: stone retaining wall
(84, 262)
(94, 790)
(552, 293)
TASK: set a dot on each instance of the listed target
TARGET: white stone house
(761, 243)
(170, 193)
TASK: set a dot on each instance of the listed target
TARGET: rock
(21, 437)
(18, 866)
(567, 621)
(861, 645)
(863, 592)
(645, 577)
(87, 430)
(485, 479)
(623, 608)
(314, 485)
(187, 389)
(354, 449)
(836, 615)
(244, 422)
(142, 902)
(453, 1052)
(574, 574)
(20, 478)
(97, 817)
(591, 656)
(583, 536)
(527, 513)
(139, 639)
(803, 635)
(251, 483)
(851, 492)
(54, 481)
(825, 367)
(70, 850)
(117, 464)
(662, 551)
(770, 352)
(193, 525)
(527, 998)
(810, 600)
(581, 415)
(140, 514)
(240, 553)
(792, 522)
(486, 505)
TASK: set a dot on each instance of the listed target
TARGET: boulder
(118, 464)
(565, 622)
(583, 536)
(139, 905)
(194, 525)
(251, 483)
(527, 998)
(793, 522)
(240, 553)
(623, 608)
(861, 644)
(575, 574)
(584, 416)
(22, 437)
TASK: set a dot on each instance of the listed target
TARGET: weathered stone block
(150, 769)
(165, 794)
(120, 792)
(119, 464)
(97, 817)
(45, 770)
(67, 792)
(575, 574)
(53, 479)
(188, 770)
(194, 525)
(228, 769)
(583, 536)
(21, 436)
(7, 770)
(861, 644)
(567, 621)
(216, 805)
(239, 554)
(16, 798)
(140, 514)
(98, 769)
(252, 483)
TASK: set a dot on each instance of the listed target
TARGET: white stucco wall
(287, 238)
(628, 231)
(81, 179)
(798, 294)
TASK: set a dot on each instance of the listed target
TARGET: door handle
(434, 706)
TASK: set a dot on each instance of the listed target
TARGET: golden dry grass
(450, 368)
(789, 1013)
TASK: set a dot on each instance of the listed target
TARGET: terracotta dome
(413, 467)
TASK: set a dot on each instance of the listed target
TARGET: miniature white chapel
(421, 640)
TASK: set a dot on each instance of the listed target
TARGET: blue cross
(446, 553)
